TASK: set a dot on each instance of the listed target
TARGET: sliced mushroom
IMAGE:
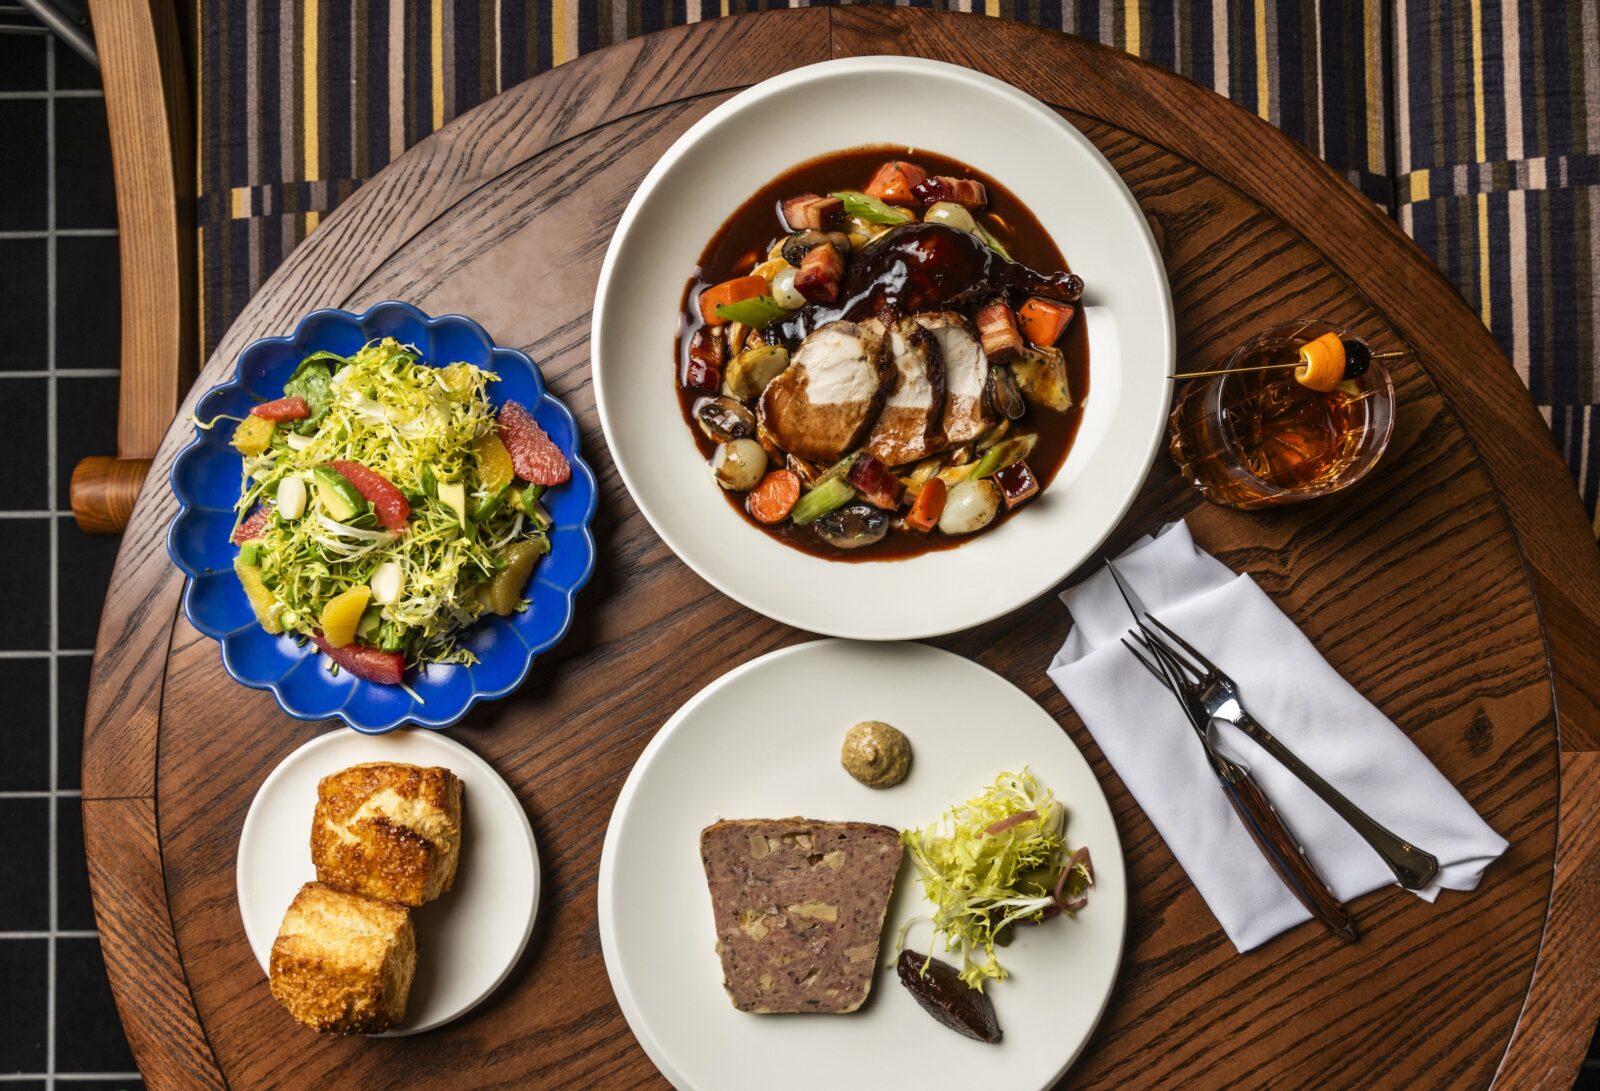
(1002, 393)
(724, 419)
(853, 526)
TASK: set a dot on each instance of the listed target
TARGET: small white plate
(468, 939)
(763, 742)
(1078, 198)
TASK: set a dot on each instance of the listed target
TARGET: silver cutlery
(1261, 819)
(1196, 678)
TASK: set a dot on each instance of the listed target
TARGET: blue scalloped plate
(205, 480)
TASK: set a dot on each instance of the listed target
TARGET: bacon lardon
(820, 272)
(966, 192)
(809, 211)
(997, 329)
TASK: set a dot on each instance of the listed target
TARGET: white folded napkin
(1289, 689)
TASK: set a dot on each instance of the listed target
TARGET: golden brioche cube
(342, 963)
(388, 830)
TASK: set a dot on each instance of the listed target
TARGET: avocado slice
(453, 495)
(337, 496)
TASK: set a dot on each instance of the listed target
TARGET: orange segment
(1321, 363)
(262, 601)
(494, 462)
(342, 614)
(253, 436)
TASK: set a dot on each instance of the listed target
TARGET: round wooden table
(1458, 588)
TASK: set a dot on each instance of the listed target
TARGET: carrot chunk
(929, 505)
(774, 498)
(894, 182)
(729, 291)
(1044, 320)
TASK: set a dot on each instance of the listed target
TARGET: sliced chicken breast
(966, 370)
(822, 405)
(911, 426)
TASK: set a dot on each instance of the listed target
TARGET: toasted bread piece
(799, 905)
(388, 830)
(342, 963)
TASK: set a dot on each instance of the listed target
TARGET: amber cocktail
(1259, 438)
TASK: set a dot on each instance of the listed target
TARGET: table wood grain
(1457, 587)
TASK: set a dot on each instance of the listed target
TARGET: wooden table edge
(128, 887)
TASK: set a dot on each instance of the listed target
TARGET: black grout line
(65, 373)
(68, 933)
(48, 96)
(52, 959)
(63, 233)
(43, 653)
(69, 1077)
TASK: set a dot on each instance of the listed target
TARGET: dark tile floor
(58, 390)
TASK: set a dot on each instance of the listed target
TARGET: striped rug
(1476, 123)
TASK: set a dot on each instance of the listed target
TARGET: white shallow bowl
(468, 939)
(763, 742)
(828, 107)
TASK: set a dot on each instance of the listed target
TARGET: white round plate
(763, 742)
(1078, 198)
(468, 939)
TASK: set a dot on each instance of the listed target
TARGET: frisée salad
(386, 505)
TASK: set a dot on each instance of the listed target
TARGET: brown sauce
(743, 242)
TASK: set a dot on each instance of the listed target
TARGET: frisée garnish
(999, 858)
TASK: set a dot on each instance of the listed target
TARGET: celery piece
(1002, 455)
(757, 311)
(838, 469)
(871, 209)
(250, 553)
(829, 495)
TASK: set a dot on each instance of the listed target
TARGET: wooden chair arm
(152, 154)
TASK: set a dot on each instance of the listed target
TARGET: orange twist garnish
(1321, 363)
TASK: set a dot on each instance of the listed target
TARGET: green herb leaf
(313, 381)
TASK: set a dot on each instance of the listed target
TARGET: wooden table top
(1458, 588)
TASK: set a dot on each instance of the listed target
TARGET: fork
(1203, 681)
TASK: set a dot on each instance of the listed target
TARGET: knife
(1261, 819)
